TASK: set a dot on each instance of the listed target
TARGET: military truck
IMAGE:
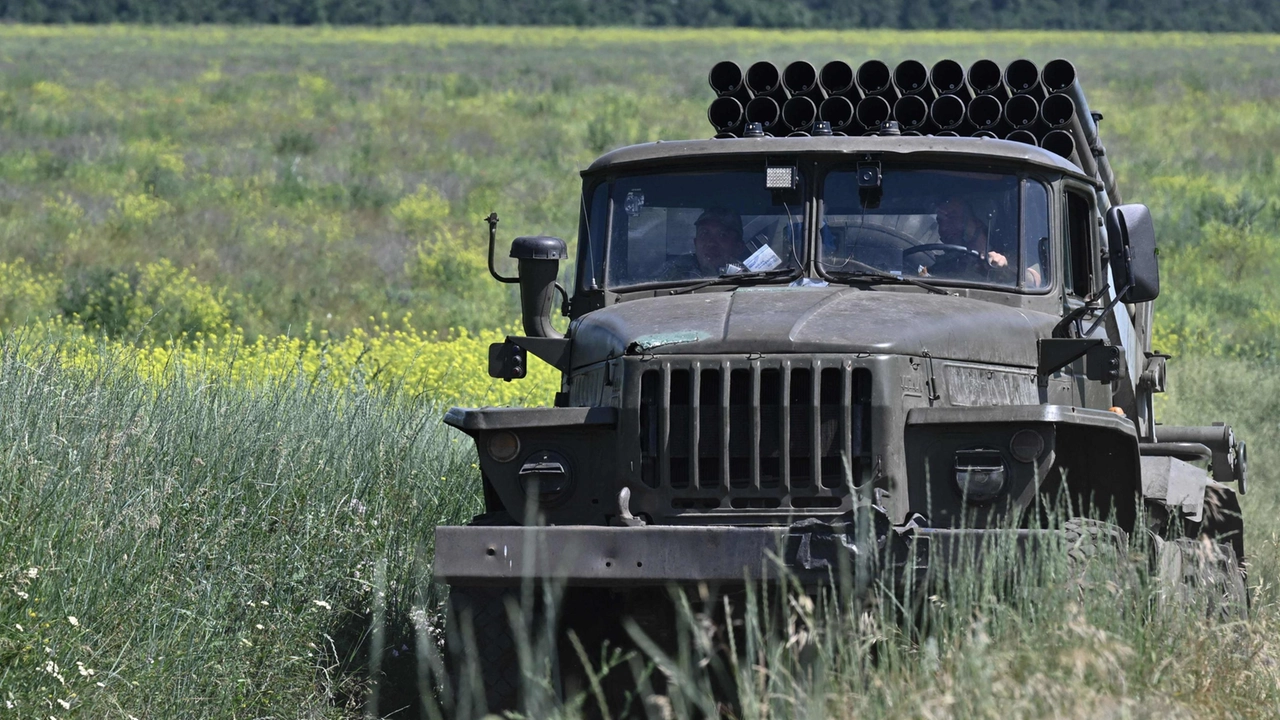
(893, 308)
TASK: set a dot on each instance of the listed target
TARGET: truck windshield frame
(985, 227)
(672, 228)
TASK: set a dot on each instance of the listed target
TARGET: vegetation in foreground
(217, 494)
(213, 549)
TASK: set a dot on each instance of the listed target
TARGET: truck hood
(813, 320)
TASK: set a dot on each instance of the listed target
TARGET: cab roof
(913, 147)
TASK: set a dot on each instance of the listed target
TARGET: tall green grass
(197, 549)
(209, 550)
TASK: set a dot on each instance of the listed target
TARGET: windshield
(692, 226)
(970, 227)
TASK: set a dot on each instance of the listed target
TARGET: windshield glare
(940, 225)
(691, 226)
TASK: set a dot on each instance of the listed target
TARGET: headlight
(503, 446)
(1026, 445)
(980, 475)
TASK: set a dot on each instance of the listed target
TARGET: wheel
(1201, 573)
(1098, 555)
(1223, 521)
(483, 666)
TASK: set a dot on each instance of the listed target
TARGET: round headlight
(1026, 445)
(503, 446)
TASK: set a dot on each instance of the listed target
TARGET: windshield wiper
(871, 273)
(734, 278)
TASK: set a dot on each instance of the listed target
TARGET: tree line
(1221, 15)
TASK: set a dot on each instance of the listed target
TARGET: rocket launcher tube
(873, 111)
(912, 112)
(985, 78)
(837, 79)
(911, 77)
(874, 79)
(839, 111)
(799, 113)
(725, 114)
(1023, 78)
(947, 78)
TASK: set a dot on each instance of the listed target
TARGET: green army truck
(880, 313)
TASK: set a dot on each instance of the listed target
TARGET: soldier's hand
(995, 259)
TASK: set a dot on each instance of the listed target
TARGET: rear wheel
(1201, 573)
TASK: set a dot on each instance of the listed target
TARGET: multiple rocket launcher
(1020, 103)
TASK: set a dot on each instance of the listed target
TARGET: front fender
(1087, 464)
(583, 440)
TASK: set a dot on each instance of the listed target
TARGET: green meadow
(226, 255)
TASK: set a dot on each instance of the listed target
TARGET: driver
(957, 225)
(717, 242)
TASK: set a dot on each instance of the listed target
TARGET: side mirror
(1131, 237)
(539, 259)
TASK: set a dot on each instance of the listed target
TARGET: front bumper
(811, 552)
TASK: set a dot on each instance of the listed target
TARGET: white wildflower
(323, 604)
(65, 705)
(33, 572)
(259, 626)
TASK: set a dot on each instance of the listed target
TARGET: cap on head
(721, 216)
(955, 207)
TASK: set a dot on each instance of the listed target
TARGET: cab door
(1082, 277)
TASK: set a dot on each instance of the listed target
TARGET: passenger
(717, 242)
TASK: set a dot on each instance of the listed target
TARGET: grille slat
(754, 435)
(695, 426)
(784, 423)
(726, 378)
(817, 381)
(846, 418)
(664, 428)
(755, 448)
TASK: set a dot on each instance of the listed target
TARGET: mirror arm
(1074, 317)
(493, 237)
(1114, 301)
(564, 303)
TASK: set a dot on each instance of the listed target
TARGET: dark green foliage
(1230, 15)
(296, 142)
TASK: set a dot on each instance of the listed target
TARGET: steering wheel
(945, 250)
(954, 259)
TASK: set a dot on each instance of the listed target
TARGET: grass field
(228, 258)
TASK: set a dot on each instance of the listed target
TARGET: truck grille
(754, 434)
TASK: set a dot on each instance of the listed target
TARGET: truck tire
(1201, 573)
(482, 659)
(1098, 555)
(1223, 521)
